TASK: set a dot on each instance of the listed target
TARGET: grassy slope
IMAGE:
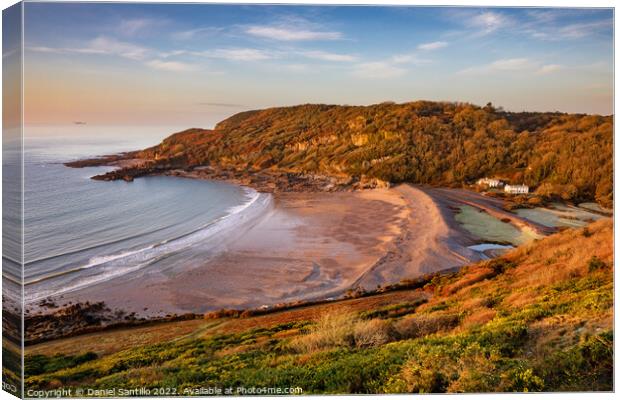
(539, 318)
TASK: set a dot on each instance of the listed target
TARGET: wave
(102, 268)
(92, 247)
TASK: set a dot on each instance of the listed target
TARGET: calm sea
(79, 232)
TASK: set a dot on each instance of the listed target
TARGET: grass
(516, 323)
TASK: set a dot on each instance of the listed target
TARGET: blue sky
(196, 64)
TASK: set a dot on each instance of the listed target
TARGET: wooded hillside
(566, 155)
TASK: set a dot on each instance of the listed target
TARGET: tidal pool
(491, 229)
(559, 215)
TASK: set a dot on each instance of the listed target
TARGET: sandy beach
(309, 245)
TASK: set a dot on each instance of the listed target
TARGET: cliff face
(419, 142)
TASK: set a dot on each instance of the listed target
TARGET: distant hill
(566, 155)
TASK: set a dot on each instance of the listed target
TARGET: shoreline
(326, 243)
(292, 252)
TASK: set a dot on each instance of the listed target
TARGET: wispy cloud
(172, 53)
(100, 45)
(174, 66)
(554, 31)
(326, 56)
(409, 58)
(132, 26)
(239, 54)
(504, 64)
(513, 65)
(378, 70)
(510, 64)
(198, 32)
(135, 26)
(541, 24)
(112, 47)
(63, 50)
(123, 49)
(291, 33)
(585, 29)
(549, 68)
(432, 45)
(543, 15)
(487, 22)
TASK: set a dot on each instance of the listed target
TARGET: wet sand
(309, 246)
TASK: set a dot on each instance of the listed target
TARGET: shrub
(585, 366)
(526, 381)
(332, 330)
(477, 373)
(423, 375)
(595, 264)
(422, 325)
(374, 332)
(344, 330)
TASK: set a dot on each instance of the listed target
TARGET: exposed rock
(259, 177)
(82, 318)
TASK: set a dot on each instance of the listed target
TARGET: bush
(332, 330)
(526, 381)
(426, 374)
(374, 332)
(422, 325)
(477, 373)
(344, 330)
(587, 366)
(595, 263)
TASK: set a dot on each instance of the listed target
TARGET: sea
(79, 232)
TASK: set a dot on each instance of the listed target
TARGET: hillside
(539, 318)
(560, 155)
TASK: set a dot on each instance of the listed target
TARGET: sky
(193, 65)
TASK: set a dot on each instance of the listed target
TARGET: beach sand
(310, 245)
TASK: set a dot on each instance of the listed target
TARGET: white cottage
(517, 189)
(492, 183)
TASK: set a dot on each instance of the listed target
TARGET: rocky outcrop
(80, 318)
(264, 180)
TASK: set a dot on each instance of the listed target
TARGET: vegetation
(539, 318)
(568, 156)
